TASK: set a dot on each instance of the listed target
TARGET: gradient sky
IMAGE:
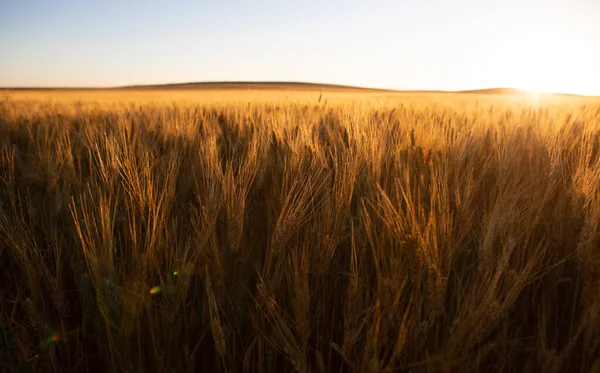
(550, 45)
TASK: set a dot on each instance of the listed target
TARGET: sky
(549, 45)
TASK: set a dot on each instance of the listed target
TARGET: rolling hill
(283, 86)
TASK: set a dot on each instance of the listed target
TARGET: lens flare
(55, 337)
(155, 290)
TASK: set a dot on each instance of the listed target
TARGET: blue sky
(430, 44)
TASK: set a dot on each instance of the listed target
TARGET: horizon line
(488, 90)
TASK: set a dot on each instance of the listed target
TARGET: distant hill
(322, 87)
(495, 91)
(256, 85)
(513, 91)
(283, 86)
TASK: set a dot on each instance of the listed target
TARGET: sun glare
(546, 61)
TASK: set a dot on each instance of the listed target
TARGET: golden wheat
(325, 232)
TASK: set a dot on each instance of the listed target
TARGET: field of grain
(279, 231)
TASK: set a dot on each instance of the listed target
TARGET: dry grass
(372, 233)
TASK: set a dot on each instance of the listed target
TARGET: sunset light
(421, 45)
(306, 186)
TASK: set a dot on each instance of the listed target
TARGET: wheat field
(182, 231)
